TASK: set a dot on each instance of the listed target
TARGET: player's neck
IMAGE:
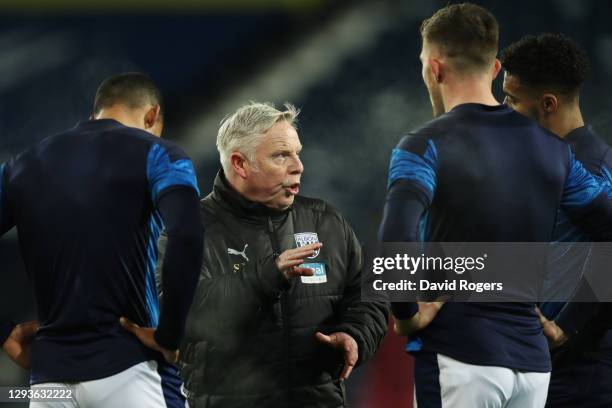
(115, 112)
(468, 91)
(567, 121)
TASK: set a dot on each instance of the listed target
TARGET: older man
(277, 320)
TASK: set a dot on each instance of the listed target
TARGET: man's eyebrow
(281, 150)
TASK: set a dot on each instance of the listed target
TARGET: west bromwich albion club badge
(307, 238)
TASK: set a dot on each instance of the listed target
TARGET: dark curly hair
(547, 60)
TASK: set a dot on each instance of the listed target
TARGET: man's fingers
(313, 246)
(348, 346)
(130, 326)
(290, 263)
(431, 306)
(346, 371)
(24, 332)
(323, 338)
(302, 271)
(350, 358)
(146, 337)
(543, 320)
(18, 352)
(547, 325)
(348, 368)
(171, 356)
(306, 249)
(300, 254)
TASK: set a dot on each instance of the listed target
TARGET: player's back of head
(131, 89)
(552, 62)
(466, 34)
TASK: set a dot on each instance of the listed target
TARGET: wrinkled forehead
(281, 136)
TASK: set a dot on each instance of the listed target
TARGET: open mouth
(293, 189)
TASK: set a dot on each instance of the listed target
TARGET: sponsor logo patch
(320, 275)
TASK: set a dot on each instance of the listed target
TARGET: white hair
(242, 130)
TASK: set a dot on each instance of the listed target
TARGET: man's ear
(239, 164)
(435, 67)
(152, 116)
(549, 103)
(496, 68)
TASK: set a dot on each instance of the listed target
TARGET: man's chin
(286, 202)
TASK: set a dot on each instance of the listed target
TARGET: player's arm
(6, 223)
(179, 209)
(586, 201)
(412, 183)
(174, 193)
(14, 339)
(589, 204)
(6, 217)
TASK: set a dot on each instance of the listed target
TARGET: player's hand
(145, 335)
(554, 334)
(19, 343)
(427, 312)
(288, 262)
(348, 346)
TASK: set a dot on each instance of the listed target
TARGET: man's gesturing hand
(19, 342)
(288, 261)
(554, 334)
(347, 344)
(145, 335)
(427, 312)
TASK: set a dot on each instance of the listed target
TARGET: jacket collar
(99, 124)
(583, 132)
(226, 196)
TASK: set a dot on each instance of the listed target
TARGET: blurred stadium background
(351, 66)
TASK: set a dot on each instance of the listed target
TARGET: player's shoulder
(420, 139)
(162, 147)
(589, 146)
(119, 134)
(521, 124)
(157, 146)
(30, 154)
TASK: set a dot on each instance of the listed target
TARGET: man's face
(431, 82)
(522, 99)
(275, 180)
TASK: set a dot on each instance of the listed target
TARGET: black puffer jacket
(250, 338)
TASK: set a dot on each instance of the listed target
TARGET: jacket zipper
(284, 314)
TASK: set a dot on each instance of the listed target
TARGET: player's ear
(152, 117)
(435, 67)
(239, 164)
(496, 68)
(549, 103)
